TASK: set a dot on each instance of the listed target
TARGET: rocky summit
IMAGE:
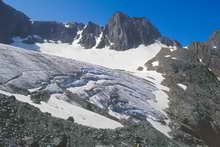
(124, 32)
(118, 85)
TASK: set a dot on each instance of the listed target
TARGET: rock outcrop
(124, 32)
(54, 31)
(90, 34)
(192, 75)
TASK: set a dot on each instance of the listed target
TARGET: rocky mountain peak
(126, 32)
(121, 33)
(89, 35)
(214, 40)
(119, 16)
(92, 28)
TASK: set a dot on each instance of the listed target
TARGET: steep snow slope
(57, 107)
(128, 60)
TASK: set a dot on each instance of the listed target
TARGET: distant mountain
(121, 33)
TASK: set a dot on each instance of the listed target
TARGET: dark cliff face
(13, 23)
(208, 53)
(89, 35)
(56, 31)
(124, 32)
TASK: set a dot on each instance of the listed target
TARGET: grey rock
(169, 42)
(24, 125)
(126, 32)
(39, 96)
(89, 35)
(56, 31)
(194, 111)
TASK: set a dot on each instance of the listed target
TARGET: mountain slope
(40, 129)
(192, 74)
(116, 92)
(59, 108)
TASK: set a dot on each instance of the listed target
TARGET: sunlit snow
(58, 107)
(155, 63)
(184, 87)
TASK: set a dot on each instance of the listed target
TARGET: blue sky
(183, 20)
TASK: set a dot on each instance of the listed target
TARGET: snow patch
(67, 25)
(57, 107)
(155, 63)
(162, 128)
(98, 40)
(210, 69)
(173, 49)
(34, 89)
(167, 56)
(75, 42)
(174, 58)
(128, 60)
(184, 87)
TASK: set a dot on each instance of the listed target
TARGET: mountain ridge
(120, 33)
